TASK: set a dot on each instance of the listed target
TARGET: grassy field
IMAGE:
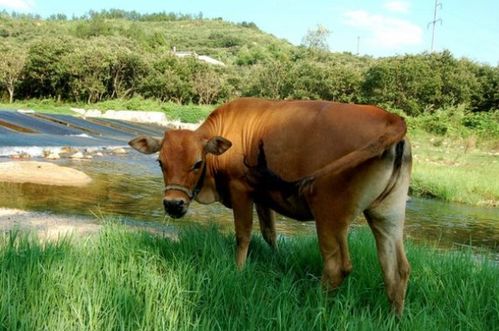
(136, 281)
(455, 169)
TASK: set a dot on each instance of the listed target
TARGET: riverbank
(135, 280)
(174, 112)
(46, 226)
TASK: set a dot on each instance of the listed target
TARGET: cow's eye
(197, 165)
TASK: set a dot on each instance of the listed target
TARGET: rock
(175, 124)
(80, 111)
(77, 155)
(93, 113)
(45, 173)
(68, 150)
(156, 117)
(46, 152)
(26, 111)
(119, 151)
(20, 155)
(136, 116)
(88, 156)
(53, 156)
(91, 149)
(98, 154)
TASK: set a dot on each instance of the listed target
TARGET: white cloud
(385, 32)
(17, 4)
(397, 6)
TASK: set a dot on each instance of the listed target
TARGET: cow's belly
(292, 206)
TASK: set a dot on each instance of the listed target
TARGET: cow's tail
(394, 133)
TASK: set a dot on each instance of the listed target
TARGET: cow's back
(298, 137)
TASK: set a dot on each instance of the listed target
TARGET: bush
(459, 121)
(188, 113)
(485, 124)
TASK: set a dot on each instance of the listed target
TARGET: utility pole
(358, 45)
(434, 22)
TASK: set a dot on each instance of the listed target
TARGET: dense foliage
(118, 54)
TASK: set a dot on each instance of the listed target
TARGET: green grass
(137, 281)
(187, 113)
(45, 106)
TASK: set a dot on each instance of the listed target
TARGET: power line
(434, 22)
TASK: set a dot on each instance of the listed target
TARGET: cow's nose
(175, 208)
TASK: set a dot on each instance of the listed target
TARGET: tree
(208, 85)
(486, 97)
(12, 61)
(88, 67)
(317, 38)
(45, 74)
(171, 79)
(270, 79)
(413, 83)
(127, 67)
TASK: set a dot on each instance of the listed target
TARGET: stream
(130, 186)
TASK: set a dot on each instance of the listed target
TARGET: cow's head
(182, 158)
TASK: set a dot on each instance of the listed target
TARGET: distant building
(204, 58)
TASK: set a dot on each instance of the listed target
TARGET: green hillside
(209, 37)
(119, 55)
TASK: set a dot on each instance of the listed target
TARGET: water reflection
(452, 224)
(131, 186)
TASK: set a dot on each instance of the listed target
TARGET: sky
(379, 27)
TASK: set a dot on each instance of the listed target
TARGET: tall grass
(137, 281)
(454, 170)
(456, 184)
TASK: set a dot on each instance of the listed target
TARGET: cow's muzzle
(176, 208)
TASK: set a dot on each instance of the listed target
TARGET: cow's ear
(217, 145)
(145, 144)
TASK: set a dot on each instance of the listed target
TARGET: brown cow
(304, 159)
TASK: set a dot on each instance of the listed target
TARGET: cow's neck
(208, 193)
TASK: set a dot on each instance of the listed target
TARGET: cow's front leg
(242, 206)
(267, 225)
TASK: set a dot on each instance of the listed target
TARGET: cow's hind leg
(334, 251)
(267, 224)
(387, 222)
(332, 232)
